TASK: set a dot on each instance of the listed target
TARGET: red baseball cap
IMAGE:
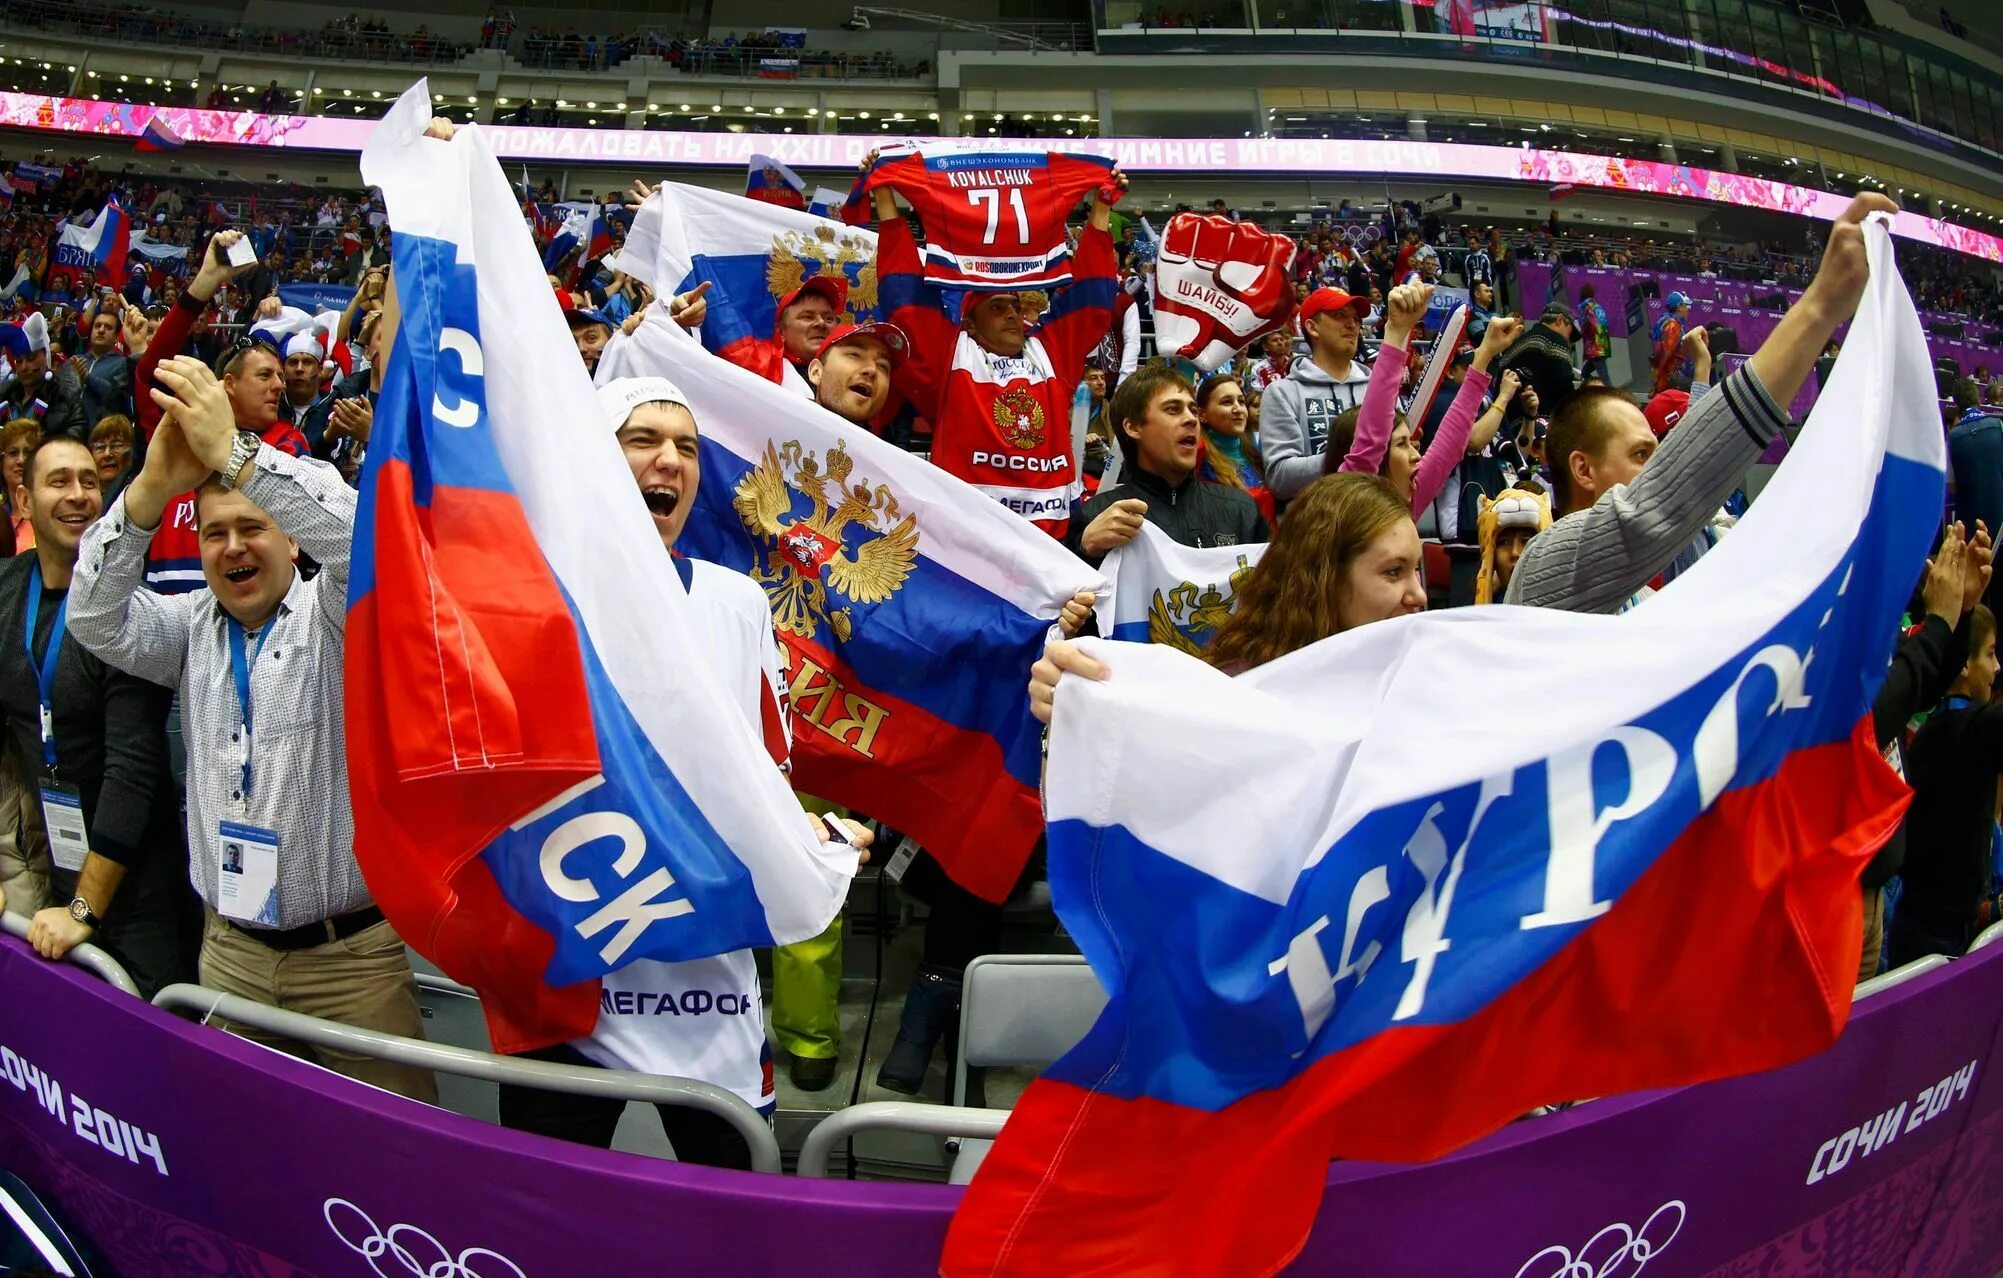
(1665, 410)
(890, 336)
(1333, 299)
(834, 287)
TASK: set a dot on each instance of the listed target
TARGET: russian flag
(770, 182)
(750, 253)
(101, 246)
(1160, 591)
(548, 781)
(575, 223)
(1414, 931)
(158, 135)
(909, 607)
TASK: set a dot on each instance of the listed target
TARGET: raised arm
(1378, 413)
(1445, 450)
(906, 303)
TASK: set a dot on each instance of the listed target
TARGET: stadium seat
(1019, 1009)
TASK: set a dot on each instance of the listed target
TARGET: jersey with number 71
(992, 219)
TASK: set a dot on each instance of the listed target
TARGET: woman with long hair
(1346, 555)
(1230, 454)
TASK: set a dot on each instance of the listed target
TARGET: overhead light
(864, 115)
(1544, 128)
(968, 116)
(123, 78)
(717, 107)
(500, 102)
(932, 115)
(317, 90)
(591, 106)
(592, 120)
(149, 79)
(375, 93)
(778, 110)
(684, 106)
(470, 99)
(817, 111)
(347, 93)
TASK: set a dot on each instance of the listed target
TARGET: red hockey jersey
(992, 220)
(1002, 423)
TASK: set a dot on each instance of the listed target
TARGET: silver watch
(241, 452)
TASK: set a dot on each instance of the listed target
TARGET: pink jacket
(1378, 415)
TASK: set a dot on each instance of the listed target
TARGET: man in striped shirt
(1627, 508)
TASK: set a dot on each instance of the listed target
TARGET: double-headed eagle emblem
(828, 250)
(851, 542)
(1185, 618)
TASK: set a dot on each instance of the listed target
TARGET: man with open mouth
(699, 1018)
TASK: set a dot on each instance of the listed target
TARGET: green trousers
(807, 982)
(806, 986)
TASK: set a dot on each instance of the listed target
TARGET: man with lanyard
(715, 1032)
(95, 740)
(34, 391)
(258, 659)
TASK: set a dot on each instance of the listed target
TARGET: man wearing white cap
(34, 391)
(307, 400)
(701, 1018)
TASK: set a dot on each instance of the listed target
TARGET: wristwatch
(241, 452)
(80, 911)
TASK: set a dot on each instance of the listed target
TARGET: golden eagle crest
(850, 542)
(828, 250)
(1183, 618)
(1019, 418)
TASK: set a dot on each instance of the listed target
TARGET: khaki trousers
(1874, 934)
(363, 980)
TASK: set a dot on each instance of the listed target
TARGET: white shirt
(702, 1018)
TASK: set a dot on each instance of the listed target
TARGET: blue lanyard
(1957, 703)
(45, 670)
(240, 667)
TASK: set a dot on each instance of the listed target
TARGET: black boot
(931, 1009)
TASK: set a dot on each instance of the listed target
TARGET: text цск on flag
(1409, 934)
(909, 608)
(548, 781)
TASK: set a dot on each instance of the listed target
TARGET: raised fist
(1219, 286)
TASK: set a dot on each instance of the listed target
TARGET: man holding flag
(550, 787)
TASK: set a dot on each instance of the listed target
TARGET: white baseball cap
(620, 396)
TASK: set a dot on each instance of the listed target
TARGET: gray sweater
(1595, 559)
(1294, 414)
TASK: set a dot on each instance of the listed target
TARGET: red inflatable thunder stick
(1219, 286)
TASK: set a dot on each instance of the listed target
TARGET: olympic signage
(1295, 156)
(235, 1160)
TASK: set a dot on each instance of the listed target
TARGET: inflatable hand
(1219, 285)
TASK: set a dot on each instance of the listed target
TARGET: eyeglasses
(242, 346)
(18, 454)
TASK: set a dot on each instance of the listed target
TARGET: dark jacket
(1953, 765)
(1195, 512)
(1542, 358)
(1925, 663)
(111, 736)
(107, 386)
(63, 407)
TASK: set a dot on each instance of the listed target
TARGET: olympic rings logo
(408, 1250)
(1617, 1251)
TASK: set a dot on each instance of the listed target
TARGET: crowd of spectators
(352, 36)
(1529, 463)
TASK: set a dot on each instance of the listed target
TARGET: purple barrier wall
(182, 1151)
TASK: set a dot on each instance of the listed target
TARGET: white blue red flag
(751, 254)
(909, 608)
(1413, 929)
(548, 780)
(770, 182)
(99, 247)
(1160, 591)
(158, 135)
(577, 224)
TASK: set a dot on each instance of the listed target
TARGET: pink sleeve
(1446, 449)
(1378, 414)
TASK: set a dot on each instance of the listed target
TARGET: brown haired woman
(1347, 554)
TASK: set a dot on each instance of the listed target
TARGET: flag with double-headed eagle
(1160, 591)
(909, 608)
(750, 253)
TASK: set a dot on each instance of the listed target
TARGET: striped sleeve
(1595, 559)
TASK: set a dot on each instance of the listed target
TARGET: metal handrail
(1899, 976)
(907, 1116)
(86, 956)
(577, 1080)
(444, 984)
(1990, 935)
